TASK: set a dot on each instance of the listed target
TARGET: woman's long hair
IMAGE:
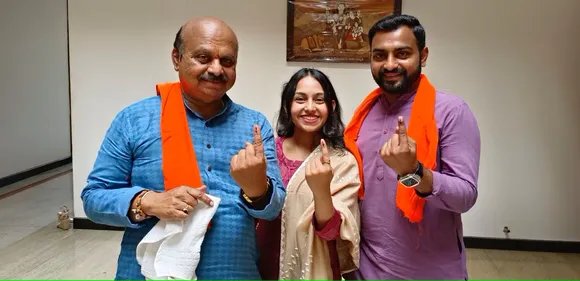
(332, 131)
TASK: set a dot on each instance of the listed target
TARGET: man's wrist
(262, 191)
(422, 193)
(137, 212)
(259, 202)
(425, 188)
(412, 170)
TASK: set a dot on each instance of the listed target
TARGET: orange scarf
(421, 127)
(179, 163)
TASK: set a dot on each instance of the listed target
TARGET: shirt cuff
(128, 196)
(331, 230)
(436, 187)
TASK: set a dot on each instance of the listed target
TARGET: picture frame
(333, 30)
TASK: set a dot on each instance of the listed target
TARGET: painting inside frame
(333, 30)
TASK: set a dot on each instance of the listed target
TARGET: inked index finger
(402, 131)
(325, 157)
(258, 144)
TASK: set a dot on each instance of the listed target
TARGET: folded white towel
(171, 250)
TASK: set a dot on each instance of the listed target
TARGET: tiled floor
(31, 247)
(23, 213)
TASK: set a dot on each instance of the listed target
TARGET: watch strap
(418, 171)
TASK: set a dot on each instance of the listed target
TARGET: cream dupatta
(304, 255)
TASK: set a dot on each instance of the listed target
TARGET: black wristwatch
(413, 179)
(260, 202)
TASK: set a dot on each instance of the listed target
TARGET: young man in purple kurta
(391, 246)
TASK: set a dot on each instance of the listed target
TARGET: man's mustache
(213, 78)
(384, 71)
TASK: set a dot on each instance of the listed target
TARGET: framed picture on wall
(333, 30)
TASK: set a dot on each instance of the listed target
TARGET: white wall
(511, 60)
(34, 95)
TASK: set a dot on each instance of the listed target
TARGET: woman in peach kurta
(317, 234)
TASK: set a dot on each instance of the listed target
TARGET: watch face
(410, 181)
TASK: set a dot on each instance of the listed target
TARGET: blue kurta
(129, 161)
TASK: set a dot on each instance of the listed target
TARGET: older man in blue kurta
(126, 185)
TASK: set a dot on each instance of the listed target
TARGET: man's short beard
(400, 87)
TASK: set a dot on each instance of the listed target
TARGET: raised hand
(174, 204)
(400, 151)
(248, 167)
(319, 172)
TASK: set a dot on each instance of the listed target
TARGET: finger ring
(326, 162)
(185, 210)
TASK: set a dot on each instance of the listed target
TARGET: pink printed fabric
(287, 166)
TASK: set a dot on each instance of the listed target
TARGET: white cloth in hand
(171, 250)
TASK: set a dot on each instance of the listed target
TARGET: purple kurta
(391, 246)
